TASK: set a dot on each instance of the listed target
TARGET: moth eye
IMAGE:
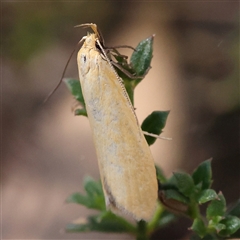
(84, 58)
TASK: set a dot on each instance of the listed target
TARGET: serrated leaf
(75, 88)
(216, 207)
(184, 183)
(142, 56)
(104, 222)
(232, 224)
(199, 227)
(203, 174)
(154, 123)
(206, 196)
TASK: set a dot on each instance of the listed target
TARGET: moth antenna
(95, 29)
(64, 71)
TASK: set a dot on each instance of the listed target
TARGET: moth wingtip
(134, 214)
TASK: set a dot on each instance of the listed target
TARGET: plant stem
(154, 221)
(142, 230)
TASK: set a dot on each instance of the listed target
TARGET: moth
(126, 165)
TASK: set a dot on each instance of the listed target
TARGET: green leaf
(134, 72)
(235, 209)
(92, 187)
(198, 188)
(232, 224)
(73, 227)
(142, 56)
(104, 222)
(185, 184)
(154, 123)
(80, 112)
(216, 207)
(199, 227)
(203, 174)
(78, 198)
(206, 237)
(130, 90)
(218, 227)
(74, 87)
(206, 196)
(214, 221)
(94, 197)
(174, 201)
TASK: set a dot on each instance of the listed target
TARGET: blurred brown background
(46, 151)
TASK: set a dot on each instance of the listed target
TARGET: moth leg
(155, 135)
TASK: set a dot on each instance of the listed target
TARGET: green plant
(181, 194)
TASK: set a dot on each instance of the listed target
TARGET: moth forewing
(125, 161)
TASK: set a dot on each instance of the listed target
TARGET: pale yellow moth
(125, 161)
